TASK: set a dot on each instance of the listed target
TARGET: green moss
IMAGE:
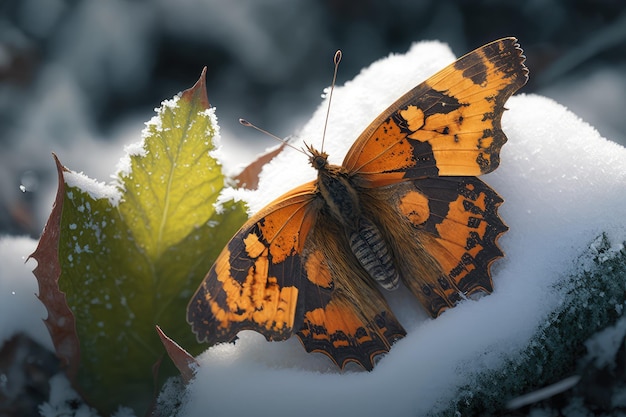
(592, 299)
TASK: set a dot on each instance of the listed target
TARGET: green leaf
(131, 255)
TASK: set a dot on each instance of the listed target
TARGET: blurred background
(80, 77)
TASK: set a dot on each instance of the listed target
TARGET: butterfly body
(404, 206)
(342, 201)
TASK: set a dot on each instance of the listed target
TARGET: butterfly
(405, 206)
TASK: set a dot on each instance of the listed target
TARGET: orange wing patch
(467, 235)
(254, 283)
(341, 331)
(448, 125)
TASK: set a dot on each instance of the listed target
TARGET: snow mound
(563, 186)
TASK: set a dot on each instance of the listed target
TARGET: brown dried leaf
(184, 362)
(60, 322)
(249, 177)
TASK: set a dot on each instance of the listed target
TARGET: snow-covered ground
(563, 185)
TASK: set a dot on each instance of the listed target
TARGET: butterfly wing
(448, 125)
(453, 226)
(464, 223)
(285, 271)
(255, 282)
(346, 316)
(415, 165)
(290, 269)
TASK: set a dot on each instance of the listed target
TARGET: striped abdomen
(342, 202)
(371, 250)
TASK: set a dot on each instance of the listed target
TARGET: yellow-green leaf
(131, 255)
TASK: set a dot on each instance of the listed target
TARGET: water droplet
(29, 181)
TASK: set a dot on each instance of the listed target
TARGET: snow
(155, 124)
(61, 397)
(562, 183)
(96, 190)
(20, 310)
(123, 168)
(65, 401)
(604, 345)
(603, 88)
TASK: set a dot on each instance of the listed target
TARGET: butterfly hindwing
(452, 226)
(289, 270)
(447, 125)
(465, 226)
(350, 321)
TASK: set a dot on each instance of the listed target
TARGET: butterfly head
(317, 159)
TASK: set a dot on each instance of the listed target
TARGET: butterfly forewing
(255, 283)
(448, 125)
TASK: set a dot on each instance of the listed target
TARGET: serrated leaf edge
(60, 322)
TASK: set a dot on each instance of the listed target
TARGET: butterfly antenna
(281, 140)
(336, 60)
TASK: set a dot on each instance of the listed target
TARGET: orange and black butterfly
(405, 206)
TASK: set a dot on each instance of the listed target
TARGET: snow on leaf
(128, 263)
(170, 189)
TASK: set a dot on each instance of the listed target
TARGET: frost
(213, 131)
(123, 168)
(604, 345)
(171, 397)
(234, 195)
(64, 401)
(123, 165)
(78, 249)
(96, 190)
(155, 123)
